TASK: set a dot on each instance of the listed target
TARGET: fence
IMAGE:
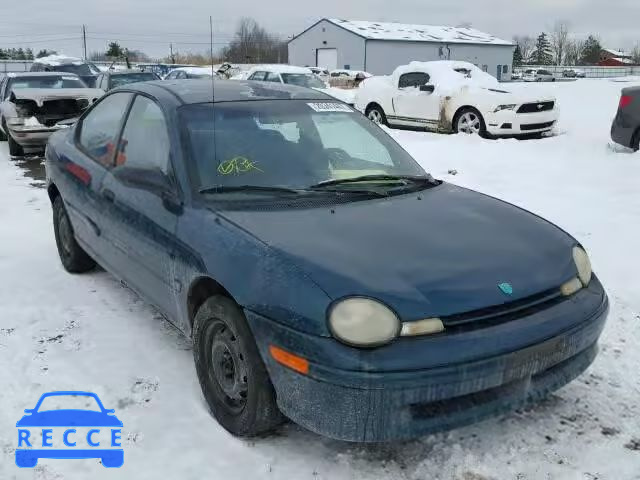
(15, 65)
(590, 71)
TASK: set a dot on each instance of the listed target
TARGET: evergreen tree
(114, 50)
(3, 54)
(20, 54)
(591, 51)
(517, 56)
(542, 54)
(28, 54)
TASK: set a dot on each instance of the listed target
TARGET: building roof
(417, 33)
(615, 53)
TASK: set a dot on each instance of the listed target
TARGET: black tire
(469, 110)
(74, 259)
(378, 112)
(3, 137)
(635, 142)
(15, 150)
(233, 378)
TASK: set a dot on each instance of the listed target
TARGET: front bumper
(33, 136)
(510, 123)
(375, 406)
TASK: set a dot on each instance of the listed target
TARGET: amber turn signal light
(289, 360)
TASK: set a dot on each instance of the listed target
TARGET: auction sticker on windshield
(330, 107)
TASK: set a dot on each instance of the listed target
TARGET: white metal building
(379, 48)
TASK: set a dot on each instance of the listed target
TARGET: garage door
(327, 58)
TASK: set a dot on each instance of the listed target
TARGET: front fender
(257, 276)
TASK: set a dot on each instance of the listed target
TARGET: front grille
(536, 126)
(497, 314)
(63, 106)
(536, 107)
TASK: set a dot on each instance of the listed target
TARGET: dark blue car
(320, 271)
(41, 416)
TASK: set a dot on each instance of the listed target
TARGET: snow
(59, 60)
(280, 68)
(61, 331)
(616, 53)
(342, 94)
(417, 33)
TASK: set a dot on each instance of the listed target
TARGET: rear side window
(415, 80)
(272, 77)
(99, 129)
(259, 76)
(146, 121)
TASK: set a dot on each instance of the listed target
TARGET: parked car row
(262, 229)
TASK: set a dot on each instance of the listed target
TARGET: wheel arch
(371, 105)
(459, 111)
(202, 288)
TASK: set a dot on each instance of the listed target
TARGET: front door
(413, 106)
(142, 221)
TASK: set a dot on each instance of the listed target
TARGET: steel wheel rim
(375, 116)
(228, 368)
(469, 123)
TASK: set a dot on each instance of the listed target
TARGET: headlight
(362, 322)
(499, 108)
(583, 265)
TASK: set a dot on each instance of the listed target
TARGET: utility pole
(84, 42)
(171, 50)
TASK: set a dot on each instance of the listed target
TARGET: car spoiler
(40, 95)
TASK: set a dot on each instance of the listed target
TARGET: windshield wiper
(248, 188)
(428, 179)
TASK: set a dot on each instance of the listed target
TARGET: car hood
(437, 253)
(41, 95)
(69, 418)
(497, 96)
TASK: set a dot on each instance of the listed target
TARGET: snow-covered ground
(59, 331)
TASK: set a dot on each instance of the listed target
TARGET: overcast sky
(150, 25)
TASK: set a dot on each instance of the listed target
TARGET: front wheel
(376, 115)
(470, 121)
(74, 259)
(234, 380)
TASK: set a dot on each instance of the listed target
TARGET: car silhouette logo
(540, 106)
(30, 432)
(506, 288)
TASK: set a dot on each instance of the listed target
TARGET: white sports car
(448, 96)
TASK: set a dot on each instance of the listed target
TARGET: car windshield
(124, 79)
(53, 81)
(303, 80)
(81, 69)
(287, 143)
(69, 402)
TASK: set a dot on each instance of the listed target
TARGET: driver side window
(413, 80)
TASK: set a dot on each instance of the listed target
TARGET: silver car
(34, 105)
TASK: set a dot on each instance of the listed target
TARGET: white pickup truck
(449, 96)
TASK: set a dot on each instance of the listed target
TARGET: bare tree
(573, 51)
(559, 40)
(635, 54)
(253, 44)
(527, 46)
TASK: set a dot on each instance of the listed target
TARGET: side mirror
(152, 180)
(28, 410)
(427, 88)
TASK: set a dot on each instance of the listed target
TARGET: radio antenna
(213, 89)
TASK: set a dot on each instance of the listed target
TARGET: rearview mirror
(427, 88)
(152, 180)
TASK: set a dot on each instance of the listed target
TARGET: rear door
(142, 220)
(84, 161)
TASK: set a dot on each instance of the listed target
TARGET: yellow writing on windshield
(237, 165)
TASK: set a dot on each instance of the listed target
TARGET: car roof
(201, 91)
(39, 74)
(124, 72)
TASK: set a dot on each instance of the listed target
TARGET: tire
(471, 115)
(233, 378)
(15, 150)
(3, 137)
(74, 259)
(635, 141)
(376, 115)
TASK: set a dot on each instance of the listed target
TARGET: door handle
(108, 195)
